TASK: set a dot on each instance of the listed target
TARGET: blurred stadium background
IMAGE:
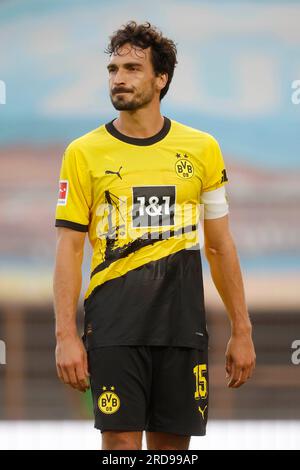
(237, 63)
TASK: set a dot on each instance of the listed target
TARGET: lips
(119, 92)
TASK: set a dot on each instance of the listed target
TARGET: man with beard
(138, 185)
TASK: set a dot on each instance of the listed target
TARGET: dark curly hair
(163, 50)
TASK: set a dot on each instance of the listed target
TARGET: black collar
(136, 140)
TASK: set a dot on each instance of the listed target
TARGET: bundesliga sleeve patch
(63, 192)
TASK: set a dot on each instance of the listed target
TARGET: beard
(130, 101)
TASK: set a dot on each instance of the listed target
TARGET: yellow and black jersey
(139, 200)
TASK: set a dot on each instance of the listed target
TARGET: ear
(162, 80)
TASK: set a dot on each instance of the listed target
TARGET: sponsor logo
(63, 192)
(110, 172)
(153, 206)
(202, 411)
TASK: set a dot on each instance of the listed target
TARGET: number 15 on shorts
(201, 382)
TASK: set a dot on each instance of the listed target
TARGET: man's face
(132, 82)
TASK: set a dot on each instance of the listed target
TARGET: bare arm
(71, 357)
(225, 270)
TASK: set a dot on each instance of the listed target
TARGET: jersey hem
(72, 225)
(141, 342)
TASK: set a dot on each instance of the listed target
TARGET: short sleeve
(215, 171)
(74, 197)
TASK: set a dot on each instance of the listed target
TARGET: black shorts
(152, 388)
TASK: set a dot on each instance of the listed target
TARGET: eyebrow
(126, 65)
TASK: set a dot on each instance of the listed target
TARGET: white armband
(215, 203)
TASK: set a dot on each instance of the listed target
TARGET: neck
(139, 123)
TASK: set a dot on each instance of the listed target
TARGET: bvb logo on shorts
(108, 402)
(183, 167)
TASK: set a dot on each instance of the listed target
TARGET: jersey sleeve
(215, 172)
(74, 198)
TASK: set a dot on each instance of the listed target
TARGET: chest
(164, 177)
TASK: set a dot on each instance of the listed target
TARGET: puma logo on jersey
(202, 411)
(108, 172)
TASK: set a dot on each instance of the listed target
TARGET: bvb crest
(183, 166)
(108, 402)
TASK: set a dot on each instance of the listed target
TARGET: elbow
(210, 251)
(221, 249)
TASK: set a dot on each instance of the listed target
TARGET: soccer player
(139, 185)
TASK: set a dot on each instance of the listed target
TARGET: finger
(86, 366)
(231, 375)
(85, 371)
(59, 373)
(251, 370)
(228, 366)
(235, 375)
(64, 375)
(81, 378)
(242, 378)
(70, 371)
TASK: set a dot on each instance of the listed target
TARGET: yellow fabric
(187, 159)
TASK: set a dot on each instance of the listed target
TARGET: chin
(123, 106)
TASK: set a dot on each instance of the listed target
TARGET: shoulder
(87, 140)
(85, 149)
(195, 134)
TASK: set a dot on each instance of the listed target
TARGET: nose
(119, 78)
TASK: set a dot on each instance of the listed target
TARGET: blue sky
(234, 76)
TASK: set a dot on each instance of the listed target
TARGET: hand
(71, 362)
(240, 359)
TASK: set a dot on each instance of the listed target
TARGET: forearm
(227, 277)
(66, 288)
